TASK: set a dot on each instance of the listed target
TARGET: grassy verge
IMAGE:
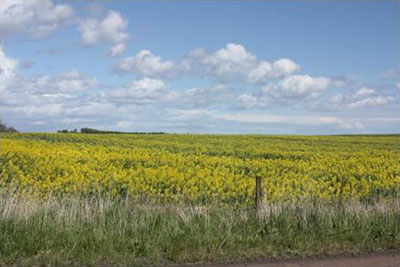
(109, 232)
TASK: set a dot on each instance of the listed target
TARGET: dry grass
(90, 231)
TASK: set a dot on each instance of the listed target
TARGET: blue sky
(328, 67)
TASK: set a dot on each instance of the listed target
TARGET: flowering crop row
(200, 168)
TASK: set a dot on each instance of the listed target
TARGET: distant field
(107, 199)
(201, 168)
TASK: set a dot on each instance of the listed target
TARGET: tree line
(95, 131)
(5, 129)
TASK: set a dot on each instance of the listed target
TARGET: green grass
(101, 231)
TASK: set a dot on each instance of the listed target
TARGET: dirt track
(376, 260)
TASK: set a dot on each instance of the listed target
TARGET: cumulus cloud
(236, 80)
(262, 70)
(249, 101)
(187, 115)
(51, 99)
(145, 63)
(233, 63)
(38, 93)
(218, 95)
(284, 66)
(111, 29)
(230, 64)
(69, 82)
(150, 91)
(234, 53)
(364, 97)
(37, 18)
(191, 62)
(142, 91)
(371, 102)
(364, 92)
(340, 81)
(297, 86)
(8, 69)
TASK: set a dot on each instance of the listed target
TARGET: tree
(89, 130)
(5, 129)
(12, 130)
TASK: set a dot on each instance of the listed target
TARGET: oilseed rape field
(200, 169)
(73, 199)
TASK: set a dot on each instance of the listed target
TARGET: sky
(262, 67)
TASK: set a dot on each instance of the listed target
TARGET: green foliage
(5, 129)
(95, 131)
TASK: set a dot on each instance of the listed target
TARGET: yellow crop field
(200, 168)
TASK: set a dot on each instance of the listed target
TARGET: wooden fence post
(258, 195)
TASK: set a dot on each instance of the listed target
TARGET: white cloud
(90, 108)
(230, 64)
(142, 91)
(125, 124)
(33, 95)
(150, 91)
(146, 88)
(154, 91)
(233, 63)
(260, 72)
(309, 120)
(231, 53)
(112, 28)
(365, 97)
(191, 62)
(218, 95)
(68, 97)
(265, 118)
(67, 83)
(8, 70)
(145, 63)
(37, 18)
(364, 92)
(297, 86)
(117, 49)
(371, 102)
(50, 109)
(284, 66)
(187, 115)
(277, 69)
(250, 101)
(340, 81)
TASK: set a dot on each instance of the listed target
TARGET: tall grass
(100, 231)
